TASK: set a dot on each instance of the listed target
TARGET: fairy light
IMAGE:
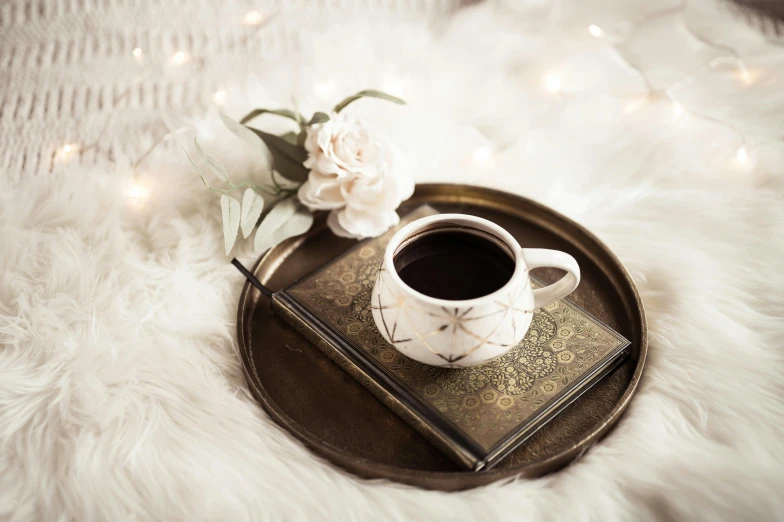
(323, 89)
(745, 75)
(552, 82)
(481, 153)
(677, 110)
(137, 193)
(66, 152)
(253, 18)
(137, 53)
(595, 30)
(219, 97)
(482, 157)
(179, 58)
(742, 155)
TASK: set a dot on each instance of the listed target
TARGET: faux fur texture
(121, 393)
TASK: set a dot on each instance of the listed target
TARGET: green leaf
(318, 117)
(215, 166)
(287, 219)
(230, 211)
(247, 135)
(252, 205)
(287, 159)
(369, 93)
(302, 137)
(290, 136)
(280, 112)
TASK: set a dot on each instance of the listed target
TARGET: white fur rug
(121, 394)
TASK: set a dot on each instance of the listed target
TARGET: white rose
(343, 147)
(356, 174)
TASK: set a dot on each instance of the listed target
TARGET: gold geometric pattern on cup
(509, 306)
(399, 304)
(455, 321)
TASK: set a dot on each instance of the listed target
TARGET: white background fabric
(121, 395)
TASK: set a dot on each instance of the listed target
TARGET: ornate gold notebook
(476, 415)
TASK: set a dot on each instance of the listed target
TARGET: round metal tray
(332, 414)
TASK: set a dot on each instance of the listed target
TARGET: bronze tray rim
(460, 480)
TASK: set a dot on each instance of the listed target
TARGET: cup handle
(542, 257)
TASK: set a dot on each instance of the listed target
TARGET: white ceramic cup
(470, 332)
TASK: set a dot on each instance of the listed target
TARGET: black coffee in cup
(454, 264)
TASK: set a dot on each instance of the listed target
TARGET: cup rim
(485, 225)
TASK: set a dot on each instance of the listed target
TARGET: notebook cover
(475, 415)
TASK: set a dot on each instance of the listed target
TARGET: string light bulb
(137, 193)
(219, 97)
(745, 76)
(481, 153)
(742, 155)
(67, 151)
(323, 89)
(179, 58)
(137, 53)
(677, 110)
(595, 30)
(482, 157)
(552, 82)
(253, 18)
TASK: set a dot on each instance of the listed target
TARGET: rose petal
(406, 187)
(321, 181)
(311, 142)
(362, 223)
(334, 226)
(312, 160)
(327, 164)
(377, 195)
(319, 194)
